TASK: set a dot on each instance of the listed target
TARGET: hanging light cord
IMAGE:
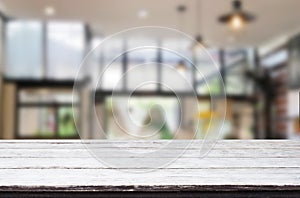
(181, 9)
(198, 20)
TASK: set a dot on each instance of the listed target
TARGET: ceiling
(274, 17)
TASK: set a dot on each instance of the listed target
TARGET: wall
(8, 113)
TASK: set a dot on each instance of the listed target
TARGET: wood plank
(68, 166)
(67, 144)
(110, 177)
(142, 153)
(191, 163)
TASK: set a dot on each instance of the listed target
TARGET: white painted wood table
(52, 168)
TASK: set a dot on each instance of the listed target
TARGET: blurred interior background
(255, 44)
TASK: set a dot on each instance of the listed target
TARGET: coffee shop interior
(253, 46)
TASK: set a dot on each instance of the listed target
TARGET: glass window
(140, 117)
(111, 64)
(203, 118)
(208, 71)
(293, 63)
(47, 113)
(40, 123)
(24, 49)
(236, 66)
(293, 114)
(94, 60)
(66, 48)
(239, 121)
(47, 122)
(142, 64)
(176, 68)
(47, 96)
(275, 59)
(66, 124)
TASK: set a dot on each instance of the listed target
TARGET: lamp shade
(237, 18)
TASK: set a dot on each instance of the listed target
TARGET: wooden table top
(67, 165)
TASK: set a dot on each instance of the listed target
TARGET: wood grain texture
(68, 166)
